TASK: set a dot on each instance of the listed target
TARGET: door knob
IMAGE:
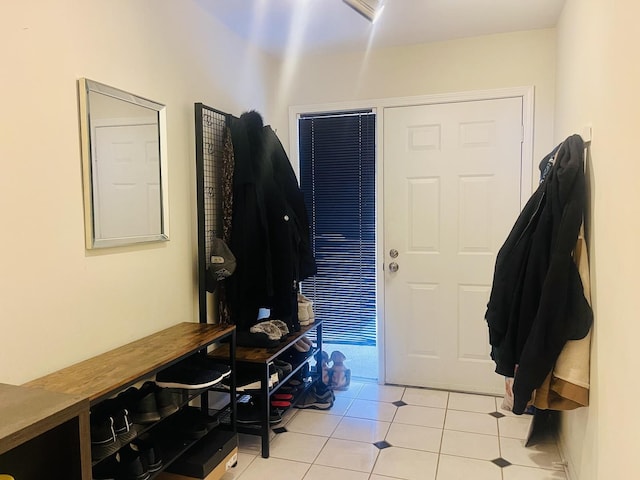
(393, 267)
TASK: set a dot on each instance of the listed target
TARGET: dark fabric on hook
(537, 301)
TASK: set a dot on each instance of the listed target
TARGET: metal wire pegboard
(211, 126)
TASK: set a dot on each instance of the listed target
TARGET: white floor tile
(458, 468)
(381, 393)
(472, 445)
(540, 456)
(380, 477)
(380, 411)
(296, 446)
(320, 472)
(313, 424)
(262, 468)
(515, 472)
(422, 416)
(515, 427)
(347, 454)
(244, 460)
(471, 403)
(361, 430)
(406, 464)
(471, 422)
(352, 392)
(416, 437)
(425, 397)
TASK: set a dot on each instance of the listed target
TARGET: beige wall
(60, 303)
(598, 75)
(479, 63)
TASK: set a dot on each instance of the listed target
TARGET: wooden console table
(43, 434)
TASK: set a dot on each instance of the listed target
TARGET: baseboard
(568, 464)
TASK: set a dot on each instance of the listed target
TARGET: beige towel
(567, 386)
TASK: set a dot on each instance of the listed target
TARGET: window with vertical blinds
(337, 177)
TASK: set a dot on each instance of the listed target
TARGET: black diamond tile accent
(382, 444)
(279, 430)
(497, 414)
(399, 403)
(501, 462)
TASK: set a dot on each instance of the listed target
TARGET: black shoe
(293, 389)
(250, 381)
(196, 415)
(145, 407)
(187, 425)
(282, 365)
(149, 455)
(211, 364)
(107, 469)
(275, 416)
(247, 410)
(103, 438)
(249, 413)
(131, 467)
(123, 427)
(314, 401)
(166, 401)
(282, 368)
(188, 374)
(191, 431)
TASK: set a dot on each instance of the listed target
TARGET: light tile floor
(379, 432)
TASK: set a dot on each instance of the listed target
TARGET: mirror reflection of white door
(127, 195)
(452, 176)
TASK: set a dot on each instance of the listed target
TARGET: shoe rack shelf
(43, 434)
(254, 358)
(96, 379)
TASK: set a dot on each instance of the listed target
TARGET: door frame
(378, 106)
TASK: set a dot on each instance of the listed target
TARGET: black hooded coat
(270, 235)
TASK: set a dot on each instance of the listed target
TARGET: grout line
(444, 422)
(500, 444)
(326, 440)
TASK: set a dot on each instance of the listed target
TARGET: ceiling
(329, 26)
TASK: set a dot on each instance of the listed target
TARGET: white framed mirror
(124, 160)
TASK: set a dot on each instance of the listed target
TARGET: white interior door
(451, 194)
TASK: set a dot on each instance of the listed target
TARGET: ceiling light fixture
(369, 9)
